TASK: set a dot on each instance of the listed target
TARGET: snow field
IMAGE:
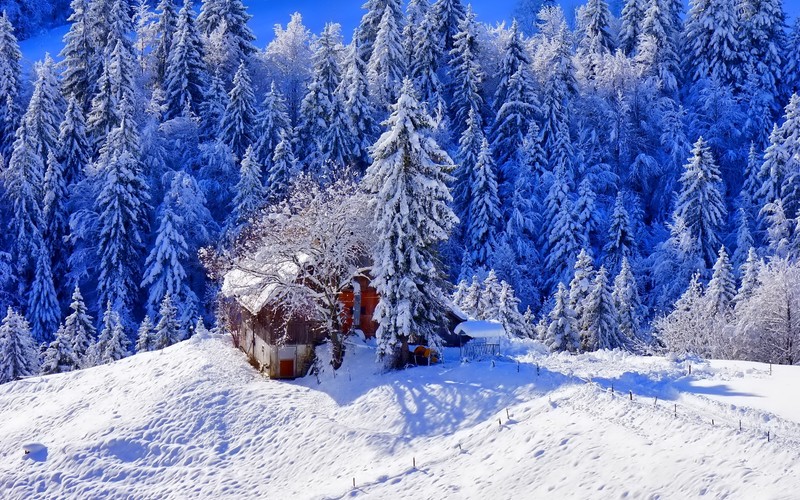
(196, 421)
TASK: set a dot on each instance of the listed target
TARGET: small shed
(482, 338)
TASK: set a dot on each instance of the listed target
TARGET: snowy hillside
(195, 421)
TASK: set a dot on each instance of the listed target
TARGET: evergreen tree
(744, 240)
(237, 128)
(587, 213)
(79, 56)
(562, 230)
(489, 300)
(621, 243)
(44, 113)
(212, 109)
(426, 60)
(73, 147)
(762, 38)
(282, 170)
(750, 272)
(165, 28)
(367, 32)
(508, 312)
(167, 331)
(19, 357)
(386, 66)
(631, 25)
(711, 32)
(722, 288)
(185, 73)
(484, 213)
(249, 194)
(465, 73)
(791, 69)
(408, 182)
(145, 338)
(511, 123)
(55, 217)
(43, 308)
(112, 344)
(580, 287)
(627, 303)
(359, 108)
(700, 202)
(10, 57)
(602, 331)
(597, 41)
(562, 332)
(658, 45)
(273, 122)
(470, 144)
(59, 357)
(76, 336)
(515, 61)
(229, 38)
(115, 85)
(121, 206)
(448, 15)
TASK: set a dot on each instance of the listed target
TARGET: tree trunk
(337, 343)
(404, 356)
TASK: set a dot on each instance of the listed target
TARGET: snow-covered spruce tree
(597, 41)
(23, 179)
(563, 233)
(772, 173)
(621, 243)
(466, 75)
(165, 267)
(74, 150)
(674, 263)
(489, 301)
(367, 32)
(762, 38)
(10, 57)
(283, 169)
(185, 74)
(416, 10)
(213, 107)
(685, 329)
(45, 109)
(145, 337)
(121, 207)
(587, 214)
(791, 68)
(43, 308)
(627, 304)
(484, 213)
(19, 357)
(165, 28)
(112, 343)
(408, 182)
(386, 67)
(749, 271)
(79, 57)
(790, 136)
(779, 228)
(115, 85)
(426, 61)
(338, 142)
(508, 312)
(562, 330)
(448, 15)
(55, 216)
(59, 357)
(659, 44)
(700, 202)
(631, 25)
(291, 59)
(248, 192)
(469, 149)
(168, 330)
(273, 121)
(581, 286)
(238, 125)
(721, 290)
(602, 328)
(713, 46)
(471, 301)
(359, 108)
(515, 56)
(228, 38)
(78, 329)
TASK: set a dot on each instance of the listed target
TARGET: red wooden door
(286, 368)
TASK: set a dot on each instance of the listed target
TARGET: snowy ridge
(195, 420)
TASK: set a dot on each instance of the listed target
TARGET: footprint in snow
(34, 451)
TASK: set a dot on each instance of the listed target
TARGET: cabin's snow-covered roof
(481, 329)
(254, 280)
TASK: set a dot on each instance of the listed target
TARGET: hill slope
(196, 421)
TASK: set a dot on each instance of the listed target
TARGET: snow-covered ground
(196, 421)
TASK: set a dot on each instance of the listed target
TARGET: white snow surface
(196, 421)
(481, 329)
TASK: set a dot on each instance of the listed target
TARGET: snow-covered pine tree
(249, 194)
(112, 343)
(165, 28)
(587, 213)
(55, 217)
(77, 330)
(508, 312)
(426, 60)
(19, 356)
(512, 121)
(386, 67)
(237, 128)
(713, 46)
(469, 149)
(602, 330)
(791, 68)
(10, 70)
(489, 301)
(185, 74)
(627, 303)
(213, 107)
(700, 202)
(658, 45)
(367, 32)
(631, 25)
(484, 214)
(408, 182)
(684, 330)
(122, 207)
(750, 272)
(721, 289)
(762, 38)
(597, 41)
(580, 287)
(562, 330)
(115, 85)
(273, 120)
(563, 233)
(416, 10)
(43, 308)
(145, 337)
(466, 75)
(59, 357)
(515, 58)
(621, 243)
(471, 302)
(79, 57)
(790, 135)
(447, 15)
(45, 109)
(779, 228)
(282, 170)
(773, 170)
(229, 39)
(73, 146)
(165, 267)
(359, 108)
(167, 331)
(744, 239)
